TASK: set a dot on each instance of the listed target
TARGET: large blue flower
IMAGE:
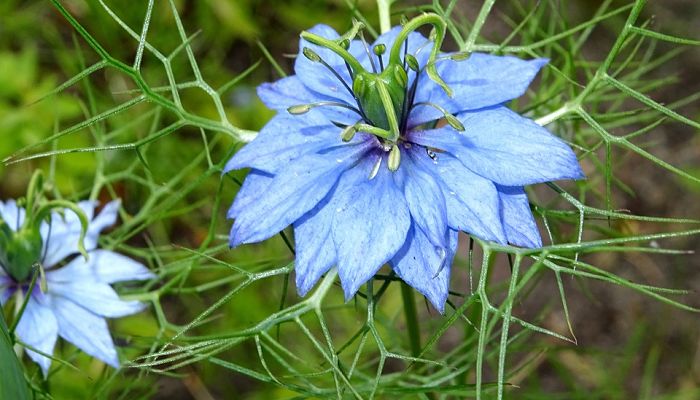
(457, 162)
(78, 295)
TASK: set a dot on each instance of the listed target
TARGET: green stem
(384, 7)
(409, 308)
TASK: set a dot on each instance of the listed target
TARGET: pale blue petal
(425, 200)
(504, 147)
(315, 250)
(13, 215)
(283, 139)
(292, 193)
(99, 298)
(518, 220)
(87, 331)
(254, 185)
(61, 237)
(290, 91)
(102, 266)
(38, 328)
(419, 265)
(472, 201)
(315, 253)
(483, 80)
(369, 227)
(318, 78)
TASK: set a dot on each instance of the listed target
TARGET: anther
(394, 158)
(300, 109)
(412, 62)
(348, 133)
(311, 55)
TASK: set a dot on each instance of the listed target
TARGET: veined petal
(504, 147)
(290, 91)
(472, 201)
(419, 265)
(38, 328)
(518, 220)
(98, 298)
(315, 250)
(87, 331)
(62, 235)
(425, 201)
(103, 266)
(317, 77)
(369, 227)
(293, 192)
(283, 139)
(482, 80)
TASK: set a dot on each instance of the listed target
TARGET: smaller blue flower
(78, 295)
(382, 153)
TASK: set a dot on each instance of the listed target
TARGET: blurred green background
(629, 346)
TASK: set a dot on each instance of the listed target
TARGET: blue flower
(364, 187)
(78, 295)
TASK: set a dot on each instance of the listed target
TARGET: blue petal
(13, 215)
(290, 91)
(482, 80)
(472, 202)
(85, 330)
(61, 237)
(38, 328)
(5, 283)
(96, 297)
(518, 221)
(315, 250)
(283, 139)
(504, 147)
(369, 226)
(292, 193)
(425, 200)
(256, 183)
(317, 77)
(102, 266)
(419, 265)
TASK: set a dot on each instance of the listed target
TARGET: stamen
(304, 108)
(369, 54)
(379, 51)
(451, 119)
(314, 57)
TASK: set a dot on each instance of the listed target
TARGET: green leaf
(12, 383)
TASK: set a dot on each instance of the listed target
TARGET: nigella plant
(382, 153)
(59, 279)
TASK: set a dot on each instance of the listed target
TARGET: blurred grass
(629, 346)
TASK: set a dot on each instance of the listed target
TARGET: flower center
(383, 97)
